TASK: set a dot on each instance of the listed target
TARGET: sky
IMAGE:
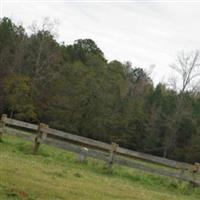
(143, 32)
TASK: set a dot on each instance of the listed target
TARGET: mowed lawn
(55, 174)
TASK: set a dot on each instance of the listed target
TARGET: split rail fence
(110, 153)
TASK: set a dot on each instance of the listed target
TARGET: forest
(73, 87)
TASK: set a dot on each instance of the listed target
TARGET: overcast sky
(143, 32)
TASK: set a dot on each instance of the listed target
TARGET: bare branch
(188, 67)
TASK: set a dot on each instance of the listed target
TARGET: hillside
(54, 174)
(74, 88)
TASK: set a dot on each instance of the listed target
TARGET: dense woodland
(74, 88)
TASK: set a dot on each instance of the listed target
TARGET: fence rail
(103, 151)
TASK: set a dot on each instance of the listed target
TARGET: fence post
(2, 126)
(40, 137)
(182, 171)
(113, 149)
(83, 155)
(197, 167)
(195, 170)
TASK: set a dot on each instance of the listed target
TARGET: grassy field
(54, 174)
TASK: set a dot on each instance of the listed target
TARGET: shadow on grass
(18, 194)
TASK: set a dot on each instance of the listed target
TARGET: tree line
(74, 88)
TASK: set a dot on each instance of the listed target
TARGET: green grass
(55, 174)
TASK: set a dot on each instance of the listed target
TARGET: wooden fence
(110, 153)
